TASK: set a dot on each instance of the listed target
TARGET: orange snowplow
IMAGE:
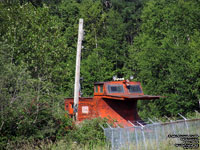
(116, 100)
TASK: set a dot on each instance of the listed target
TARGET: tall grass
(58, 145)
(88, 136)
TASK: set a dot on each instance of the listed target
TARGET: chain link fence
(154, 136)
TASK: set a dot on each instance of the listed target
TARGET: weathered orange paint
(121, 107)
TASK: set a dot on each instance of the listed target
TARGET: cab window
(101, 88)
(96, 88)
(134, 89)
(115, 88)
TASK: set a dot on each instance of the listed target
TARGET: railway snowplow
(115, 100)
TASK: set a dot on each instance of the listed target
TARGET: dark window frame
(109, 86)
(134, 89)
(101, 88)
(96, 89)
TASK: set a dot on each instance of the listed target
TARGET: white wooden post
(77, 73)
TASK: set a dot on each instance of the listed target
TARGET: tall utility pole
(77, 73)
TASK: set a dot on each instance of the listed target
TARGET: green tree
(28, 96)
(162, 56)
(28, 107)
(39, 42)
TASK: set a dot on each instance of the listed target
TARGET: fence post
(142, 127)
(144, 138)
(120, 135)
(112, 142)
(102, 127)
(185, 119)
(155, 130)
(136, 137)
(162, 127)
(112, 138)
(156, 137)
(128, 137)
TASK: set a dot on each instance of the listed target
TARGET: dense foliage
(166, 55)
(157, 41)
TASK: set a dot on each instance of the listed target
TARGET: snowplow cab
(115, 100)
